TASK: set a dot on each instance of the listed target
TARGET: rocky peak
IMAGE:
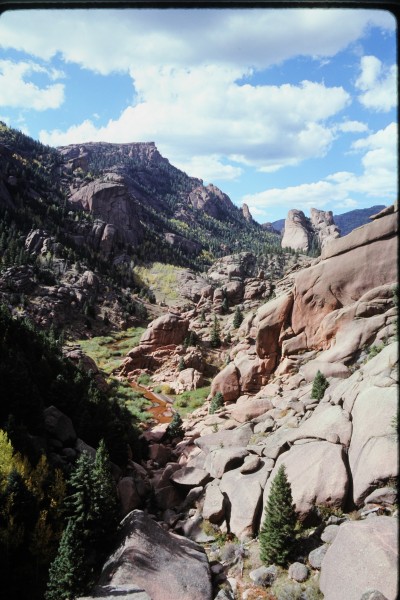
(298, 232)
(246, 212)
(324, 226)
(211, 200)
(302, 233)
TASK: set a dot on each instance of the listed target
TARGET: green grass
(132, 399)
(187, 402)
(108, 351)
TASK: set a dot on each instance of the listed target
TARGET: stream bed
(161, 405)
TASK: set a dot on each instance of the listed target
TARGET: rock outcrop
(298, 233)
(160, 564)
(303, 234)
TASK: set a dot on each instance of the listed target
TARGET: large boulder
(317, 473)
(166, 566)
(272, 320)
(247, 408)
(363, 556)
(59, 426)
(244, 493)
(169, 329)
(227, 382)
(238, 437)
(373, 448)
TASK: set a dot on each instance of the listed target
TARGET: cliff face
(131, 187)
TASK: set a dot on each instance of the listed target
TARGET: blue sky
(280, 109)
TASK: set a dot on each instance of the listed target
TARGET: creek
(161, 405)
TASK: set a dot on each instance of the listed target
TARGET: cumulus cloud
(204, 111)
(117, 40)
(378, 84)
(16, 92)
(378, 180)
(352, 127)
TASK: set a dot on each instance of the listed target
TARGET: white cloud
(352, 127)
(203, 112)
(119, 40)
(378, 84)
(377, 180)
(211, 168)
(16, 92)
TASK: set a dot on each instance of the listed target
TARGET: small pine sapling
(216, 402)
(319, 386)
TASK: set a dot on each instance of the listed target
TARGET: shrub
(216, 402)
(174, 429)
(319, 386)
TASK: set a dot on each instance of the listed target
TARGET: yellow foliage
(6, 458)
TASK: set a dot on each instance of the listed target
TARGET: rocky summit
(193, 406)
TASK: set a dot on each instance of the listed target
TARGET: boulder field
(337, 316)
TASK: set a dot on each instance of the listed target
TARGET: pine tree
(277, 534)
(67, 575)
(104, 498)
(215, 339)
(174, 428)
(319, 386)
(216, 402)
(238, 317)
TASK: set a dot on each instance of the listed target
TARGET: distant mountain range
(346, 221)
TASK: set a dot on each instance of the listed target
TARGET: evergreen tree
(216, 402)
(67, 574)
(181, 365)
(174, 429)
(319, 386)
(277, 534)
(104, 498)
(215, 339)
(238, 317)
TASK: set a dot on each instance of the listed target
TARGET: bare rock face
(110, 204)
(164, 565)
(246, 212)
(324, 226)
(182, 243)
(272, 320)
(298, 233)
(372, 452)
(157, 343)
(227, 382)
(211, 200)
(363, 556)
(343, 276)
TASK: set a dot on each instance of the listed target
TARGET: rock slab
(363, 556)
(166, 566)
